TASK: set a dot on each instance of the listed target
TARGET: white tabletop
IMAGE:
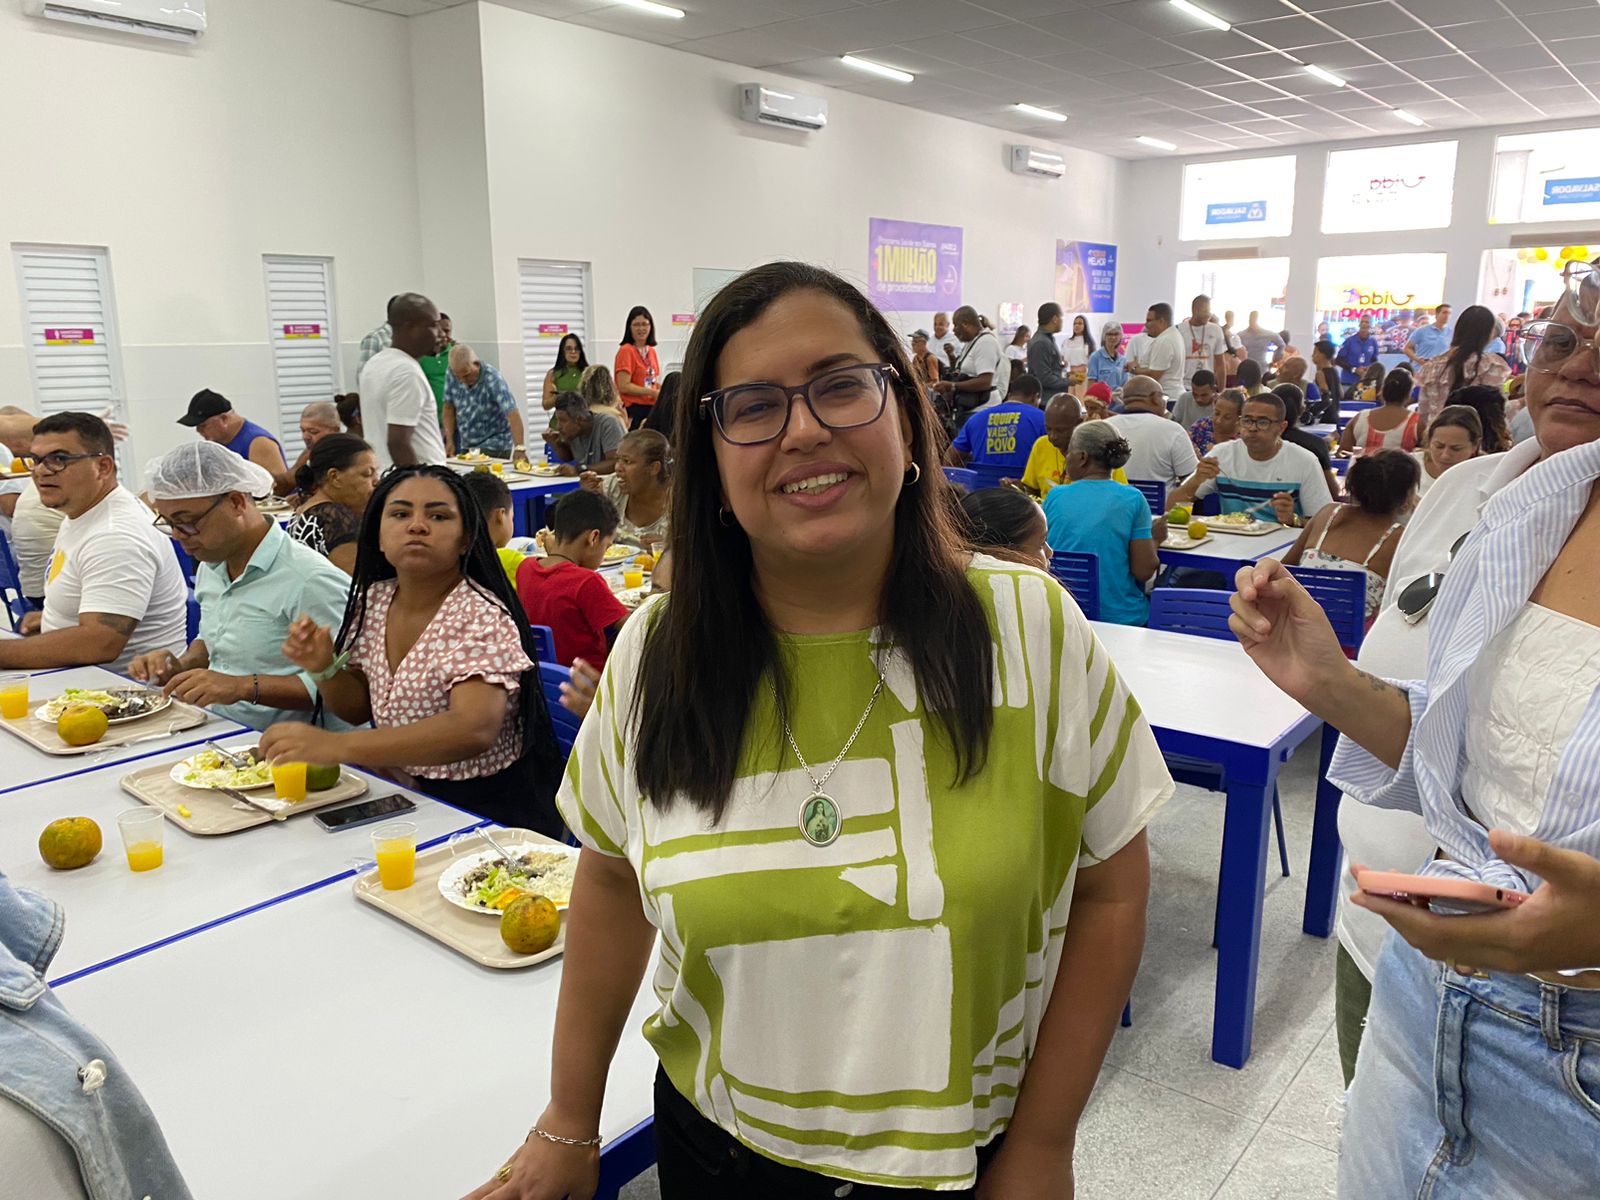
(1236, 547)
(22, 764)
(1205, 686)
(322, 1048)
(111, 910)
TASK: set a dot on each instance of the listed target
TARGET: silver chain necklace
(820, 817)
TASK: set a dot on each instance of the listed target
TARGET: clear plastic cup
(143, 837)
(13, 695)
(394, 847)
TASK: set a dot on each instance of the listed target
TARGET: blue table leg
(1322, 876)
(1244, 868)
(520, 513)
(625, 1159)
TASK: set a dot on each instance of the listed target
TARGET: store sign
(1086, 276)
(69, 337)
(1243, 212)
(682, 319)
(1389, 187)
(1572, 191)
(913, 267)
(1397, 292)
(552, 330)
(302, 331)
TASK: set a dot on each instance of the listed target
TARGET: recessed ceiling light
(1154, 143)
(650, 6)
(1200, 14)
(1046, 114)
(872, 68)
(1317, 72)
(1409, 118)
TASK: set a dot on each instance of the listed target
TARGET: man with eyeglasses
(253, 582)
(113, 590)
(1259, 468)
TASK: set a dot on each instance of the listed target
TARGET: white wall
(632, 157)
(287, 129)
(1151, 248)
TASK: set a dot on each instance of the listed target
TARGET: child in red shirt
(564, 590)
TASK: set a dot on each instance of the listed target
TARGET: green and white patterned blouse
(867, 1009)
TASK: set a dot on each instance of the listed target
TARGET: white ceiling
(1125, 67)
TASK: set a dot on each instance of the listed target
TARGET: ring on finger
(504, 1173)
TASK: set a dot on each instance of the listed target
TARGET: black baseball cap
(204, 405)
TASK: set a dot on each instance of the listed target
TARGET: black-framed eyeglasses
(56, 462)
(188, 528)
(748, 414)
(1258, 422)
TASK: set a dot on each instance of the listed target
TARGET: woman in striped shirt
(893, 843)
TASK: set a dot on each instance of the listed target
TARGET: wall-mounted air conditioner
(789, 110)
(175, 20)
(1029, 160)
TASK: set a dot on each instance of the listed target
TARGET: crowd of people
(791, 758)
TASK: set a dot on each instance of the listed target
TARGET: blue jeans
(1472, 1089)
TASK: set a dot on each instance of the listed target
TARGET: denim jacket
(57, 1070)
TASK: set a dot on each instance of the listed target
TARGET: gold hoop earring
(724, 516)
(916, 476)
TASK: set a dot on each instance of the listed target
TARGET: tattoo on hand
(123, 625)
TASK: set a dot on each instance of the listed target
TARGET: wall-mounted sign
(1547, 176)
(913, 267)
(69, 337)
(1572, 191)
(1397, 292)
(1237, 198)
(682, 319)
(552, 330)
(1086, 277)
(303, 330)
(1241, 212)
(1389, 187)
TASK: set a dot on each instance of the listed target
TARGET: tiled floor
(1165, 1122)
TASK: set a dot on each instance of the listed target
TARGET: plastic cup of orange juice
(13, 695)
(143, 837)
(633, 578)
(289, 781)
(394, 846)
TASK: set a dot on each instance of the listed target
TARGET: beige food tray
(471, 934)
(1182, 541)
(175, 718)
(1254, 529)
(214, 813)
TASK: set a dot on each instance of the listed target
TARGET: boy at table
(565, 590)
(252, 583)
(1259, 467)
(494, 497)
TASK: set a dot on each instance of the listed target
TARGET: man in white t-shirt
(1161, 358)
(1161, 450)
(1203, 342)
(1259, 466)
(983, 362)
(943, 343)
(398, 413)
(113, 589)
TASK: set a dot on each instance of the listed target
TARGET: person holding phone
(1474, 1077)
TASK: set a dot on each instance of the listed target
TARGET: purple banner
(913, 267)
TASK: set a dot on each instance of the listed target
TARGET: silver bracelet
(564, 1141)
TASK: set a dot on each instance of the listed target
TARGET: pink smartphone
(1448, 897)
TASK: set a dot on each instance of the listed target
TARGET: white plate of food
(207, 771)
(471, 458)
(619, 551)
(483, 883)
(1241, 523)
(120, 704)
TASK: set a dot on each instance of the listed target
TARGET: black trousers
(637, 414)
(696, 1160)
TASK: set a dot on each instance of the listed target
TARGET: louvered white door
(69, 323)
(305, 346)
(555, 302)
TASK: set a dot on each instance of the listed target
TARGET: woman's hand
(543, 1170)
(1285, 631)
(309, 646)
(1025, 1170)
(577, 697)
(589, 481)
(295, 741)
(1554, 930)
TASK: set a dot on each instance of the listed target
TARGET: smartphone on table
(364, 812)
(1447, 897)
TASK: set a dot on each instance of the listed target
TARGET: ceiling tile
(1488, 35)
(1159, 20)
(1578, 50)
(1542, 6)
(1246, 91)
(1458, 89)
(1580, 23)
(1447, 66)
(1398, 95)
(1456, 12)
(1370, 20)
(1404, 47)
(1341, 56)
(862, 28)
(1376, 75)
(1199, 73)
(751, 47)
(1291, 33)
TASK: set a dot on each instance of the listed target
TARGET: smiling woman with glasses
(801, 767)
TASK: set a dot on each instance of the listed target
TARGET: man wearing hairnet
(252, 582)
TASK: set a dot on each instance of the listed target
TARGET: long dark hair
(638, 310)
(997, 519)
(1088, 338)
(663, 415)
(1490, 405)
(1474, 331)
(561, 353)
(333, 452)
(692, 718)
(480, 567)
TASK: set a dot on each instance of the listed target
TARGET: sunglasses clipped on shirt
(1417, 597)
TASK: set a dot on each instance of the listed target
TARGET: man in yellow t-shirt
(1047, 461)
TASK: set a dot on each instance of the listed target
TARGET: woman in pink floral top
(436, 653)
(1467, 362)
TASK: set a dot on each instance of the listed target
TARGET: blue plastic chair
(1154, 491)
(1080, 573)
(193, 617)
(16, 603)
(1343, 596)
(989, 476)
(551, 677)
(1199, 612)
(545, 639)
(964, 479)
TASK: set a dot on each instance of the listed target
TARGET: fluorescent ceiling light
(1154, 143)
(1047, 114)
(1201, 15)
(1409, 118)
(1317, 72)
(650, 6)
(872, 68)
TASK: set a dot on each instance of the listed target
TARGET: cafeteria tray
(213, 813)
(1182, 541)
(42, 735)
(468, 934)
(1254, 529)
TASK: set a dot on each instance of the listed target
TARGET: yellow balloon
(1583, 254)
(1541, 254)
(1570, 252)
(1524, 256)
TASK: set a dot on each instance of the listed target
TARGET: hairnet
(204, 469)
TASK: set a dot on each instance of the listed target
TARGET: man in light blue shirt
(1430, 341)
(252, 583)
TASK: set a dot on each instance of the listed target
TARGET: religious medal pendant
(819, 819)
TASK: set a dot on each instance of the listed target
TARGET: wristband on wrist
(332, 669)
